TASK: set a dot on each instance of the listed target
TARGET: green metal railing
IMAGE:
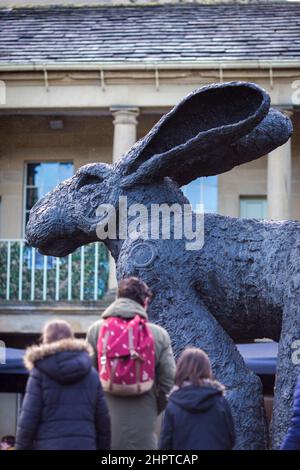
(25, 274)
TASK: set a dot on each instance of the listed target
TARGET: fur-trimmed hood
(65, 361)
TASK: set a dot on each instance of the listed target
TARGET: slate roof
(151, 34)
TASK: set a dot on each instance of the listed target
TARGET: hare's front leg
(190, 323)
(288, 369)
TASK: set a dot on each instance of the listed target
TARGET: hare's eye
(86, 180)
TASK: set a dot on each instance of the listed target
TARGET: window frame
(262, 197)
(25, 186)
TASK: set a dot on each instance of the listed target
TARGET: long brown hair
(55, 330)
(193, 366)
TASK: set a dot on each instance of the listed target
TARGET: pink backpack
(126, 356)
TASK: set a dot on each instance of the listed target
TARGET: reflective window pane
(41, 178)
(203, 191)
(253, 207)
(44, 177)
(31, 197)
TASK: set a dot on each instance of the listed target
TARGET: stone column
(125, 126)
(280, 180)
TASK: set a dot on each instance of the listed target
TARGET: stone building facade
(80, 84)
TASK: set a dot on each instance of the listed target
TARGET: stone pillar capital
(125, 125)
(125, 114)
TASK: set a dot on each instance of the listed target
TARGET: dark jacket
(134, 418)
(292, 439)
(64, 406)
(197, 418)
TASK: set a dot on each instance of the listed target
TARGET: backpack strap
(104, 349)
(112, 375)
(130, 341)
(133, 353)
(138, 375)
(137, 358)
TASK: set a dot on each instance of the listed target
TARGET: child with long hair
(198, 416)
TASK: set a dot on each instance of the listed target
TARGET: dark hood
(66, 361)
(196, 399)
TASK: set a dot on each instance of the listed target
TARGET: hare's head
(209, 132)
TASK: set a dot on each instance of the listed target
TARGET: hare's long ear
(196, 137)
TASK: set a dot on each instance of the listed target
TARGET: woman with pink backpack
(136, 366)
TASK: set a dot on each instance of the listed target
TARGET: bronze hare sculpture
(245, 280)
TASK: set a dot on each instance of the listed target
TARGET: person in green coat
(134, 418)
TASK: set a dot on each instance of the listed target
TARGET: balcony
(27, 276)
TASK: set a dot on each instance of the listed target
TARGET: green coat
(133, 419)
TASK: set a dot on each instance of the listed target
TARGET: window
(203, 190)
(41, 178)
(253, 207)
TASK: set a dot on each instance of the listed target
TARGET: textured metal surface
(244, 280)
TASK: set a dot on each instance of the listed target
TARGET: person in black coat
(64, 406)
(292, 439)
(198, 416)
